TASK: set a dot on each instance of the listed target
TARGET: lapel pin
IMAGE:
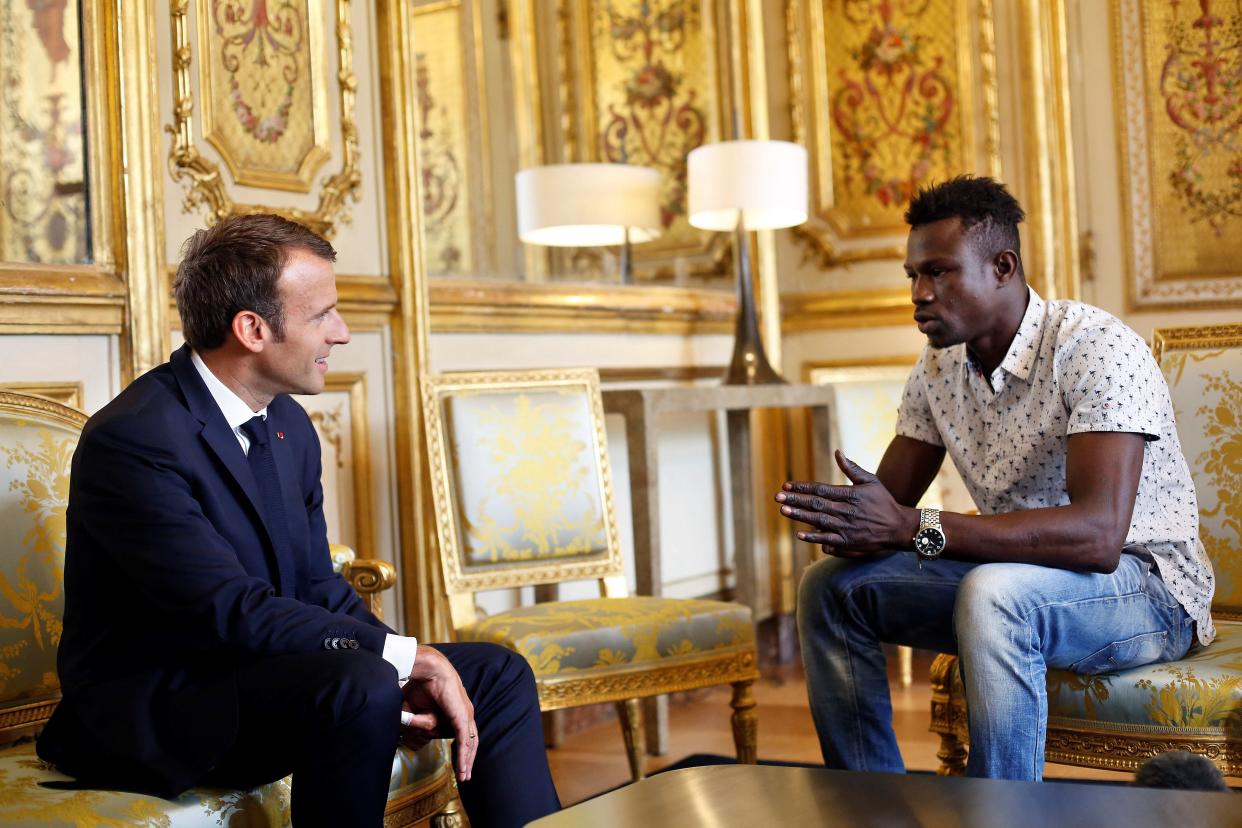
(280, 435)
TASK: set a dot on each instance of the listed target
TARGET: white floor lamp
(744, 186)
(589, 205)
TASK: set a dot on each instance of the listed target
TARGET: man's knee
(988, 599)
(825, 582)
(359, 685)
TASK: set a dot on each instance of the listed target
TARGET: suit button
(353, 645)
(336, 643)
(327, 643)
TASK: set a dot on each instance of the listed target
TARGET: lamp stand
(627, 259)
(749, 365)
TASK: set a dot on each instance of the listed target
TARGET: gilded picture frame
(201, 178)
(1181, 173)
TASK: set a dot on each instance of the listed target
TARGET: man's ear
(1005, 265)
(251, 330)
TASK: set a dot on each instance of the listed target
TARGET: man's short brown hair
(233, 266)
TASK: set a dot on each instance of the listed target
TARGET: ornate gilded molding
(65, 393)
(425, 800)
(1076, 744)
(459, 306)
(1195, 338)
(846, 309)
(200, 177)
(42, 408)
(566, 690)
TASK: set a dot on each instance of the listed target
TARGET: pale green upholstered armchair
(1115, 721)
(523, 496)
(37, 440)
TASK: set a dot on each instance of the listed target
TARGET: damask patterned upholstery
(26, 802)
(523, 495)
(1117, 720)
(600, 635)
(37, 441)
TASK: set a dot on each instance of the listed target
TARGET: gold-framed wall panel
(470, 149)
(1043, 179)
(834, 229)
(1147, 288)
(92, 298)
(318, 149)
(201, 179)
(681, 252)
(327, 423)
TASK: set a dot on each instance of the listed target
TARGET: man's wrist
(909, 527)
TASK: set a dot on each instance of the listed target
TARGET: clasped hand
(441, 709)
(852, 521)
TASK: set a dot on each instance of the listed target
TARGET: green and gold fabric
(602, 634)
(1202, 691)
(37, 440)
(1204, 372)
(26, 802)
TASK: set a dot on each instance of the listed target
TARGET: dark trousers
(331, 719)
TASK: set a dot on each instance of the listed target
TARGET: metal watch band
(929, 518)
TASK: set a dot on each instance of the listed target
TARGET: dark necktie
(263, 467)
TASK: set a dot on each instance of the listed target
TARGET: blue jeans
(1007, 623)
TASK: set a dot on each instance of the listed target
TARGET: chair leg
(905, 663)
(948, 717)
(630, 712)
(745, 723)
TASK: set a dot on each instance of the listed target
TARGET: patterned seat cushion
(602, 634)
(24, 802)
(1202, 692)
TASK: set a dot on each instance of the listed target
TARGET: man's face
(954, 290)
(297, 364)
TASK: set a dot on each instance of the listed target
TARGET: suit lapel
(223, 443)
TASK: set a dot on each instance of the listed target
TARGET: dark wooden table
(722, 796)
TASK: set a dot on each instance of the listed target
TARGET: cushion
(601, 634)
(24, 802)
(1202, 691)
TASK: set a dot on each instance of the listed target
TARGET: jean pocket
(1141, 649)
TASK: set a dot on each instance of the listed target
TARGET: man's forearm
(1066, 537)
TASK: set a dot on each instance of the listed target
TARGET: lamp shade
(586, 205)
(765, 180)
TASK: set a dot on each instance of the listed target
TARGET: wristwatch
(929, 541)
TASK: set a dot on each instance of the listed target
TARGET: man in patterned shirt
(1085, 554)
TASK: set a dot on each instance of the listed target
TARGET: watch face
(929, 542)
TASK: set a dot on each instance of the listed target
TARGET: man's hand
(436, 697)
(850, 521)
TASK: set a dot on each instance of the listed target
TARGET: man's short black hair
(989, 214)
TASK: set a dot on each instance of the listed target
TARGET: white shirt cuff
(399, 651)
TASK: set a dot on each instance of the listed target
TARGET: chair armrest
(369, 577)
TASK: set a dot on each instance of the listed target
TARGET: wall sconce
(589, 205)
(744, 186)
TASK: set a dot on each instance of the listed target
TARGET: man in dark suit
(206, 638)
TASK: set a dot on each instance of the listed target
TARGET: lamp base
(749, 365)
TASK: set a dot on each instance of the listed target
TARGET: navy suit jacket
(171, 581)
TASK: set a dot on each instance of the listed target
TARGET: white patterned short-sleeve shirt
(1070, 368)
